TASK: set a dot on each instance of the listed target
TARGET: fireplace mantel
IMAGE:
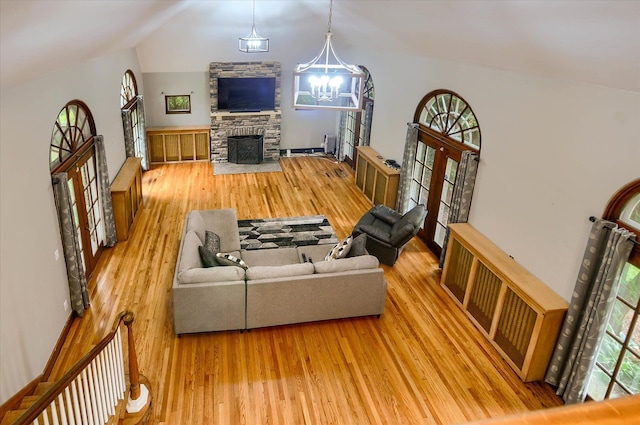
(220, 114)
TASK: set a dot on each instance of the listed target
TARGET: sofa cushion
(274, 272)
(212, 241)
(190, 257)
(340, 250)
(358, 246)
(211, 275)
(208, 257)
(195, 223)
(346, 264)
(270, 257)
(226, 259)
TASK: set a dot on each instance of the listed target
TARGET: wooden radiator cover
(518, 313)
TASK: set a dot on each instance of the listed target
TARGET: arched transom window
(73, 128)
(450, 115)
(128, 89)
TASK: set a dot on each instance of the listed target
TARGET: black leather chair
(388, 231)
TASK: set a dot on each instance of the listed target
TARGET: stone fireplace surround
(225, 124)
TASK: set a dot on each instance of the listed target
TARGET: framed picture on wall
(177, 104)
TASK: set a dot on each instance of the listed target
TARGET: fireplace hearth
(245, 149)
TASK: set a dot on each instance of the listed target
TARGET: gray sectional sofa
(277, 288)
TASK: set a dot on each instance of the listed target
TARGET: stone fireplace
(225, 124)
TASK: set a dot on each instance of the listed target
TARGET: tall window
(128, 101)
(448, 127)
(356, 126)
(617, 369)
(72, 151)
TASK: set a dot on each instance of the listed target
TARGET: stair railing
(90, 391)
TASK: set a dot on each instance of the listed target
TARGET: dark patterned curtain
(462, 194)
(406, 173)
(129, 149)
(78, 291)
(110, 238)
(607, 250)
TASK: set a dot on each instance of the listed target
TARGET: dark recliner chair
(388, 231)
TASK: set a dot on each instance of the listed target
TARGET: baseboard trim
(58, 348)
(14, 402)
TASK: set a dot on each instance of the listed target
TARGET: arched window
(73, 129)
(132, 110)
(72, 151)
(447, 127)
(356, 126)
(617, 369)
(128, 89)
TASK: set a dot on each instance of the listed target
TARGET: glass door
(88, 222)
(434, 174)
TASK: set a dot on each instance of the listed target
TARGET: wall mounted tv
(252, 94)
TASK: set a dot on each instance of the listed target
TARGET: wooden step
(43, 387)
(11, 416)
(28, 401)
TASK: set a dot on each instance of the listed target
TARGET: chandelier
(253, 43)
(327, 82)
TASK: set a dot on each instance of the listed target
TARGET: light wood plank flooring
(422, 362)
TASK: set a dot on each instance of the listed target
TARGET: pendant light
(253, 43)
(327, 82)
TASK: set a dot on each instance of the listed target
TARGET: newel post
(139, 393)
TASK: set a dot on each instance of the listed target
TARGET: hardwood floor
(422, 362)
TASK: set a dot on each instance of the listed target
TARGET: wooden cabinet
(378, 182)
(178, 144)
(518, 313)
(126, 195)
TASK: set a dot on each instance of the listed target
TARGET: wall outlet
(65, 305)
(56, 254)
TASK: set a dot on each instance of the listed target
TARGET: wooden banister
(59, 387)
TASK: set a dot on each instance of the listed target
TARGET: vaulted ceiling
(595, 42)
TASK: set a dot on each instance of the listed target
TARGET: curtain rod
(445, 141)
(593, 219)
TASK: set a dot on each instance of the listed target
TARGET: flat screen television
(252, 94)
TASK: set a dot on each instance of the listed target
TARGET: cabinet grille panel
(202, 146)
(515, 327)
(484, 296)
(186, 147)
(156, 150)
(459, 269)
(171, 144)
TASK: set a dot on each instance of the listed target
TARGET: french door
(434, 174)
(87, 215)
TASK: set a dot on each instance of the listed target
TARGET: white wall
(553, 152)
(33, 285)
(300, 128)
(159, 84)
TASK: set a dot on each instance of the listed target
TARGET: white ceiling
(595, 42)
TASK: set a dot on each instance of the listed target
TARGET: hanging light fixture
(253, 43)
(327, 82)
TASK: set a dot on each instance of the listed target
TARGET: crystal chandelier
(327, 82)
(253, 43)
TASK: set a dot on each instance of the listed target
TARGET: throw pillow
(230, 260)
(208, 257)
(212, 241)
(358, 246)
(340, 250)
